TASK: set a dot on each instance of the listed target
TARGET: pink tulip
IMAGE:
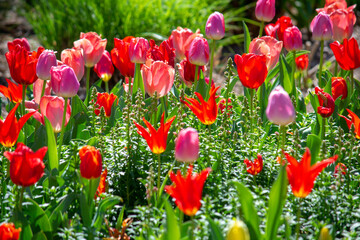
(321, 27)
(181, 39)
(187, 145)
(138, 49)
(158, 77)
(343, 23)
(215, 26)
(52, 107)
(292, 39)
(199, 51)
(268, 46)
(63, 81)
(23, 42)
(265, 10)
(47, 59)
(104, 68)
(280, 109)
(74, 58)
(93, 47)
(37, 89)
(333, 5)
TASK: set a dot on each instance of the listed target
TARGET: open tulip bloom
(13, 91)
(254, 167)
(354, 119)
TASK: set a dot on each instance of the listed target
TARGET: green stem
(196, 79)
(283, 138)
(23, 111)
(159, 172)
(192, 227)
(261, 28)
(90, 198)
(21, 198)
(323, 128)
(87, 86)
(62, 127)
(298, 219)
(251, 108)
(352, 84)
(107, 87)
(43, 89)
(293, 75)
(211, 68)
(336, 69)
(321, 62)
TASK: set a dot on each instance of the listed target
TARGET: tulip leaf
(56, 216)
(215, 232)
(172, 230)
(247, 37)
(52, 148)
(201, 85)
(248, 209)
(276, 203)
(104, 205)
(36, 216)
(285, 69)
(39, 236)
(313, 142)
(84, 210)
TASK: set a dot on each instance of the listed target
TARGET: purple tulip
(321, 27)
(280, 109)
(47, 59)
(199, 51)
(265, 10)
(64, 81)
(215, 26)
(187, 145)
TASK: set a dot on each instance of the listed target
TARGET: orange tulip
(11, 127)
(254, 167)
(9, 232)
(104, 100)
(206, 112)
(102, 185)
(302, 176)
(187, 190)
(354, 119)
(156, 139)
(13, 91)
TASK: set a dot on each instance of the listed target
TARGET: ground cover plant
(168, 153)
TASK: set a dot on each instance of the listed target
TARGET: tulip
(23, 42)
(37, 89)
(325, 234)
(11, 127)
(199, 51)
(252, 69)
(302, 176)
(105, 69)
(64, 81)
(8, 231)
(268, 46)
(302, 62)
(164, 53)
(254, 167)
(215, 26)
(128, 86)
(74, 58)
(238, 231)
(280, 109)
(181, 39)
(187, 145)
(354, 119)
(327, 104)
(93, 47)
(339, 88)
(347, 54)
(277, 30)
(340, 167)
(156, 139)
(13, 91)
(222, 106)
(343, 23)
(333, 5)
(158, 77)
(265, 10)
(102, 184)
(52, 107)
(104, 100)
(187, 72)
(90, 162)
(321, 27)
(121, 58)
(26, 166)
(206, 112)
(47, 59)
(292, 39)
(187, 190)
(138, 49)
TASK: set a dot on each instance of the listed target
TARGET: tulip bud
(321, 27)
(90, 162)
(64, 81)
(23, 42)
(187, 145)
(265, 10)
(327, 103)
(292, 39)
(238, 231)
(138, 49)
(47, 59)
(74, 58)
(104, 68)
(280, 109)
(339, 88)
(215, 26)
(325, 234)
(199, 51)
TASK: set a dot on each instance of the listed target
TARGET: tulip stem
(352, 84)
(196, 79)
(43, 88)
(211, 68)
(293, 76)
(107, 87)
(89, 196)
(321, 62)
(87, 86)
(23, 110)
(159, 172)
(21, 196)
(336, 69)
(261, 28)
(251, 109)
(62, 127)
(283, 137)
(298, 219)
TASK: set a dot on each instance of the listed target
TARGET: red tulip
(104, 100)
(187, 190)
(199, 51)
(164, 53)
(23, 42)
(222, 106)
(156, 139)
(354, 119)
(340, 167)
(26, 166)
(90, 162)
(93, 47)
(181, 39)
(302, 176)
(120, 57)
(347, 54)
(102, 184)
(104, 68)
(268, 46)
(13, 91)
(302, 62)
(187, 71)
(254, 167)
(252, 69)
(9, 232)
(138, 49)
(327, 103)
(74, 58)
(277, 30)
(338, 88)
(11, 127)
(206, 112)
(292, 39)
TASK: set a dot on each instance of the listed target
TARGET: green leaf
(215, 232)
(52, 148)
(248, 209)
(285, 69)
(313, 142)
(276, 203)
(36, 215)
(172, 230)
(120, 218)
(202, 86)
(39, 236)
(84, 210)
(56, 216)
(247, 37)
(104, 205)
